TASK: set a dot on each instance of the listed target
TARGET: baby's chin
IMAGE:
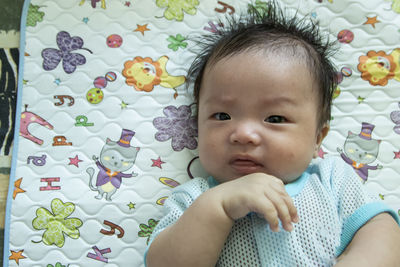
(228, 178)
(287, 179)
(225, 178)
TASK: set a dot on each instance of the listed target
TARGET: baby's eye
(275, 119)
(221, 116)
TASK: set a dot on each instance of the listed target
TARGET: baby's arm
(377, 243)
(198, 237)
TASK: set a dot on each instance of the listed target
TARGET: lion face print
(378, 67)
(144, 73)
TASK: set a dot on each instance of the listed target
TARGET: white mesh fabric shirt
(332, 205)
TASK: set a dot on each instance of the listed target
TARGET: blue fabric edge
(359, 218)
(212, 182)
(145, 253)
(16, 132)
(292, 189)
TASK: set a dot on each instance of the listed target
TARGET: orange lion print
(144, 73)
(378, 67)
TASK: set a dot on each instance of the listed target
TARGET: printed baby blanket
(106, 127)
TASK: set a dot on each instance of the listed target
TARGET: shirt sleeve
(181, 198)
(355, 205)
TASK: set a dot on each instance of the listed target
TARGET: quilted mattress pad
(107, 128)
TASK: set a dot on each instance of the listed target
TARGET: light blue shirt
(332, 205)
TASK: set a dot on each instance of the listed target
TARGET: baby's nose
(246, 133)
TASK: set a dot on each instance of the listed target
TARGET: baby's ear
(323, 132)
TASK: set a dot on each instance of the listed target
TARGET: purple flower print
(180, 125)
(395, 116)
(52, 57)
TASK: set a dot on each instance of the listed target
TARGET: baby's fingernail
(296, 219)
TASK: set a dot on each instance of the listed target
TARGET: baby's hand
(260, 193)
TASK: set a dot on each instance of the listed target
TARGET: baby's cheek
(292, 163)
(204, 160)
(209, 163)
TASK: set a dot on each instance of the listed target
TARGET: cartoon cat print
(360, 150)
(116, 157)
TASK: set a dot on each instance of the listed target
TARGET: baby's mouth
(245, 165)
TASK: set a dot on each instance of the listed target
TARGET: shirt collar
(293, 188)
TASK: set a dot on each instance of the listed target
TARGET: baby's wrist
(212, 202)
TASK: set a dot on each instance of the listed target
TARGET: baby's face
(258, 115)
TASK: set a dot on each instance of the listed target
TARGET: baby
(263, 87)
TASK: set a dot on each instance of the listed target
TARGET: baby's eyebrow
(275, 100)
(227, 99)
(220, 99)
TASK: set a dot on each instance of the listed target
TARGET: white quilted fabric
(70, 47)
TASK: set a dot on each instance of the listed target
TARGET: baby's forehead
(296, 51)
(261, 66)
(297, 57)
(284, 70)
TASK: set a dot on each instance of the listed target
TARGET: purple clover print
(395, 117)
(66, 43)
(180, 125)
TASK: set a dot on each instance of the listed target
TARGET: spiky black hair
(270, 29)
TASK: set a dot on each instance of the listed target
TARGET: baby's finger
(282, 208)
(292, 209)
(281, 191)
(268, 211)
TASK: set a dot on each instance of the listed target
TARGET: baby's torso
(313, 241)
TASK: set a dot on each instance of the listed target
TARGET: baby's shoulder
(334, 173)
(329, 167)
(193, 187)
